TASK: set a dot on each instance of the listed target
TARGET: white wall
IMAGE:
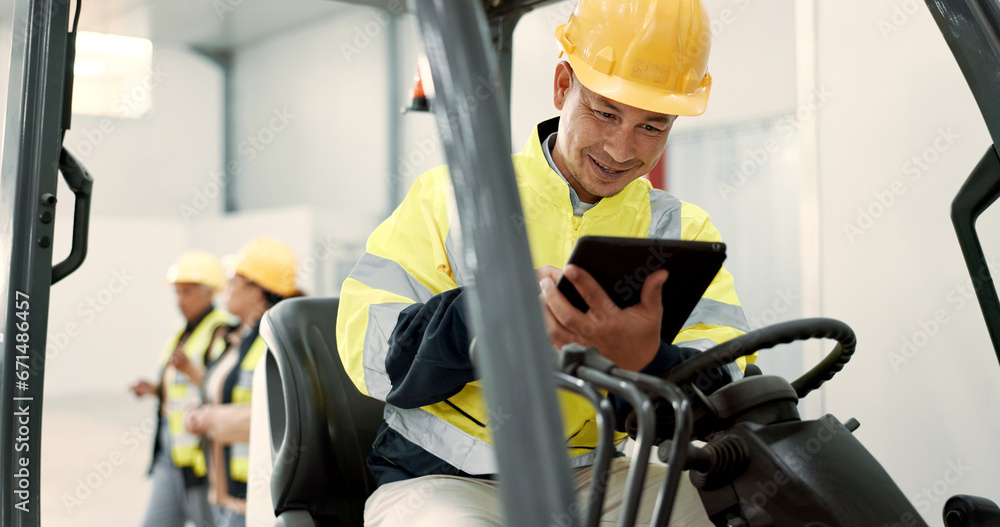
(167, 154)
(109, 320)
(752, 104)
(108, 324)
(420, 144)
(144, 170)
(328, 80)
(752, 61)
(326, 244)
(535, 57)
(896, 92)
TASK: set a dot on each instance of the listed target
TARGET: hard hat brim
(266, 262)
(639, 95)
(197, 267)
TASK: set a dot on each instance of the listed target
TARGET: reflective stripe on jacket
(416, 254)
(202, 345)
(238, 389)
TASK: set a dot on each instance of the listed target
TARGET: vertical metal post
(512, 349)
(979, 192)
(230, 203)
(502, 32)
(31, 148)
(972, 30)
(394, 124)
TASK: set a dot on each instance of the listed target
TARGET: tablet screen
(621, 266)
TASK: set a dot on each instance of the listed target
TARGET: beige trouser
(449, 501)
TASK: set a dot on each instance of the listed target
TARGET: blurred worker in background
(180, 486)
(632, 67)
(263, 273)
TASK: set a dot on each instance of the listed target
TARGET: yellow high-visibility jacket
(205, 342)
(415, 256)
(242, 393)
(237, 388)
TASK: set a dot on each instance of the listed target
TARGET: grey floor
(95, 452)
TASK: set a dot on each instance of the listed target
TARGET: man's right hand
(629, 337)
(142, 388)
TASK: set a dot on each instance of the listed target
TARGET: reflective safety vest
(205, 343)
(417, 253)
(241, 393)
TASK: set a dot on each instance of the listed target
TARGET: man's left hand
(628, 337)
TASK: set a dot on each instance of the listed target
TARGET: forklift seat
(321, 426)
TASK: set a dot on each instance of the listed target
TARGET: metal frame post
(512, 349)
(31, 154)
(978, 193)
(972, 30)
(970, 27)
(503, 17)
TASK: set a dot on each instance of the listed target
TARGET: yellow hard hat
(197, 267)
(267, 263)
(651, 54)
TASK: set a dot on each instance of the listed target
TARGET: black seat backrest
(322, 427)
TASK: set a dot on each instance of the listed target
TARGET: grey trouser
(170, 504)
(439, 501)
(226, 517)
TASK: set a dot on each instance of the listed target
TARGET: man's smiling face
(603, 145)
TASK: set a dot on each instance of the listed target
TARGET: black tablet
(621, 266)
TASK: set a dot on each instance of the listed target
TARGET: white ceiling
(211, 25)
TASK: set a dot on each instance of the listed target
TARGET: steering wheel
(753, 390)
(769, 337)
